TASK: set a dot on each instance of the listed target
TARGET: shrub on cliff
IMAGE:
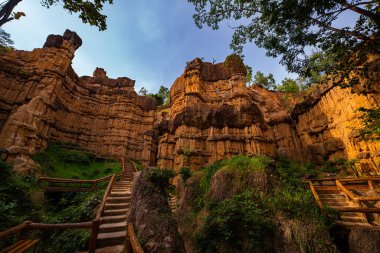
(240, 204)
(161, 179)
(238, 224)
(185, 173)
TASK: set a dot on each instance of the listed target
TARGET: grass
(59, 162)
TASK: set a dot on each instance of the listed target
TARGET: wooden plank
(358, 209)
(104, 200)
(66, 189)
(26, 247)
(61, 226)
(346, 191)
(19, 246)
(17, 243)
(315, 194)
(326, 188)
(14, 230)
(368, 198)
(136, 246)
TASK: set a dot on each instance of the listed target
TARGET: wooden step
(120, 194)
(113, 227)
(113, 219)
(111, 239)
(112, 249)
(118, 199)
(115, 212)
(114, 206)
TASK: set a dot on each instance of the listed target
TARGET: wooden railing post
(315, 194)
(94, 235)
(370, 184)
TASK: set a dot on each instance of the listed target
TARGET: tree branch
(340, 31)
(355, 8)
(6, 11)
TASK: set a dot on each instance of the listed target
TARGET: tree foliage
(161, 97)
(288, 28)
(5, 39)
(266, 82)
(89, 11)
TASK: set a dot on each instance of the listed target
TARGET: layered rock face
(214, 116)
(41, 99)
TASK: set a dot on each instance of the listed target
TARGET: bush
(15, 201)
(75, 157)
(185, 173)
(243, 162)
(161, 179)
(238, 224)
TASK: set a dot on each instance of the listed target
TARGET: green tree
(5, 39)
(266, 82)
(287, 28)
(89, 11)
(289, 85)
(248, 78)
(164, 93)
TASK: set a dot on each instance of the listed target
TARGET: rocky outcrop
(152, 218)
(212, 115)
(41, 99)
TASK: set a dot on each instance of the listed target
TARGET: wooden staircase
(339, 194)
(113, 221)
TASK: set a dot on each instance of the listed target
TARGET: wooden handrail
(106, 194)
(134, 165)
(315, 194)
(14, 230)
(69, 180)
(136, 246)
(96, 221)
(42, 226)
(345, 191)
(93, 225)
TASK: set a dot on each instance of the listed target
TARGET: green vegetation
(271, 194)
(237, 224)
(185, 173)
(89, 12)
(62, 163)
(20, 200)
(371, 124)
(288, 29)
(234, 63)
(15, 204)
(161, 179)
(266, 82)
(162, 97)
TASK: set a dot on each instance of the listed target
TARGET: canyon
(212, 114)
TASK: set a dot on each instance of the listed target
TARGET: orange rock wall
(212, 115)
(43, 99)
(324, 128)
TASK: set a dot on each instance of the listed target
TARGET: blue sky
(148, 41)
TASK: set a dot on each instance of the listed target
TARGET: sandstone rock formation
(41, 99)
(212, 115)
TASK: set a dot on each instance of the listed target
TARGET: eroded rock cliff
(212, 115)
(42, 99)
